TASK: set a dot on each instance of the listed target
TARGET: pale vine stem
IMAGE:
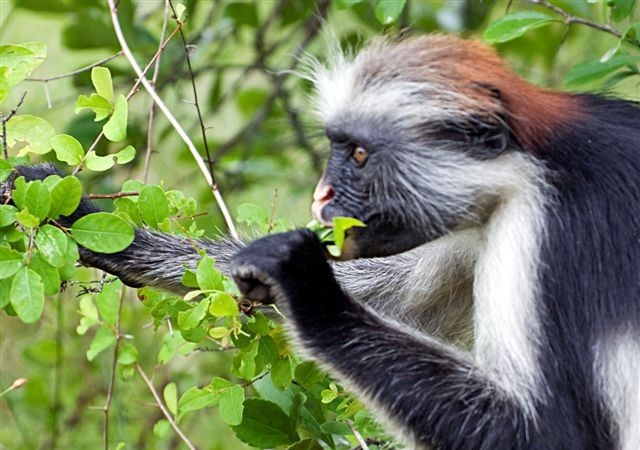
(358, 436)
(163, 408)
(130, 94)
(112, 379)
(77, 71)
(172, 120)
(571, 19)
(152, 108)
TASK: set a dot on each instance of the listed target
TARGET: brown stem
(5, 119)
(77, 71)
(112, 379)
(116, 195)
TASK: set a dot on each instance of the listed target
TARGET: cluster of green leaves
(616, 64)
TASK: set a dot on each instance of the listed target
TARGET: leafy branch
(171, 118)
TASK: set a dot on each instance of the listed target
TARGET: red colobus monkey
(503, 225)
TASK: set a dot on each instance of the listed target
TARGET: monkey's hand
(291, 270)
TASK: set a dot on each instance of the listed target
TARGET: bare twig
(357, 435)
(152, 108)
(115, 195)
(77, 71)
(4, 119)
(132, 91)
(163, 408)
(172, 120)
(570, 19)
(112, 379)
(195, 98)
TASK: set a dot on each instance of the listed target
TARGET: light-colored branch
(571, 19)
(358, 436)
(77, 71)
(4, 119)
(172, 120)
(163, 408)
(112, 379)
(116, 195)
(152, 108)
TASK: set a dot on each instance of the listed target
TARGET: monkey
(493, 299)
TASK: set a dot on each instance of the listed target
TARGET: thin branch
(115, 195)
(57, 375)
(357, 435)
(172, 120)
(571, 19)
(112, 379)
(163, 408)
(152, 108)
(77, 71)
(195, 98)
(132, 91)
(5, 119)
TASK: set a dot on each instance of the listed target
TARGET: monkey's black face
(384, 182)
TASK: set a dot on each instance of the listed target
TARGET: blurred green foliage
(228, 379)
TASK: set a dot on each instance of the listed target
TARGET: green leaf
(593, 70)
(180, 10)
(89, 314)
(101, 79)
(5, 169)
(308, 375)
(96, 103)
(190, 319)
(161, 428)
(128, 209)
(125, 155)
(621, 9)
(116, 127)
(98, 163)
(194, 399)
(67, 149)
(515, 25)
(27, 295)
(307, 444)
(29, 134)
(153, 205)
(265, 425)
(127, 354)
(170, 394)
(231, 405)
(10, 261)
(388, 11)
(102, 232)
(340, 227)
(49, 275)
(252, 214)
(223, 305)
(18, 61)
(37, 199)
(103, 339)
(25, 218)
(281, 372)
(7, 215)
(5, 291)
(219, 332)
(108, 301)
(242, 13)
(52, 244)
(65, 197)
(339, 428)
(207, 276)
(343, 4)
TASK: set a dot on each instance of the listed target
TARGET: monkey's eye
(359, 155)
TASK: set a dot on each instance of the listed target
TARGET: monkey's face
(407, 191)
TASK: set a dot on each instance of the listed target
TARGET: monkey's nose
(323, 194)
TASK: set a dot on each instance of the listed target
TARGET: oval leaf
(10, 261)
(515, 25)
(116, 127)
(67, 149)
(102, 232)
(52, 243)
(37, 199)
(101, 79)
(589, 71)
(265, 425)
(65, 197)
(388, 11)
(153, 205)
(231, 405)
(27, 295)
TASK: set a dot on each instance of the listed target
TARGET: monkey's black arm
(417, 382)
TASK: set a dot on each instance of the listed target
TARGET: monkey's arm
(428, 388)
